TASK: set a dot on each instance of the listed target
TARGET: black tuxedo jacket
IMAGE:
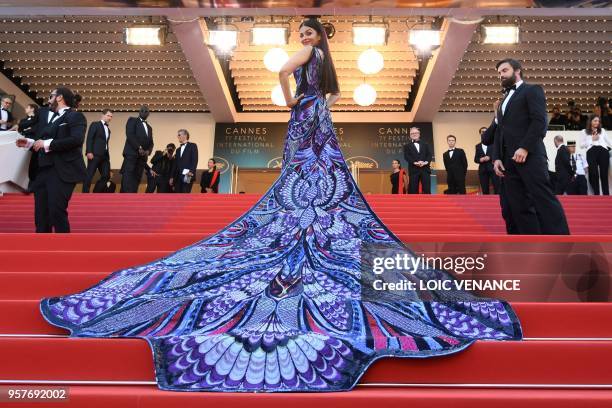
(66, 149)
(479, 153)
(96, 139)
(27, 126)
(188, 160)
(458, 163)
(135, 136)
(523, 124)
(412, 155)
(563, 165)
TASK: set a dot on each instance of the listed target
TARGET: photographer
(159, 174)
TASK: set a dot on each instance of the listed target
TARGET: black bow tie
(143, 120)
(450, 150)
(416, 142)
(510, 88)
(183, 144)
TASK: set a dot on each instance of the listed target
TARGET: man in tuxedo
(60, 162)
(563, 167)
(519, 155)
(185, 165)
(138, 147)
(486, 175)
(6, 118)
(418, 155)
(455, 163)
(96, 149)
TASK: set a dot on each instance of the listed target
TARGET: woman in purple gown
(276, 301)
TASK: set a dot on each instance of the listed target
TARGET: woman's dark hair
(34, 108)
(328, 82)
(589, 130)
(214, 163)
(71, 99)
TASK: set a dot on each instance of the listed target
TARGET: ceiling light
(370, 34)
(500, 34)
(224, 38)
(275, 58)
(370, 62)
(425, 40)
(278, 35)
(144, 35)
(364, 95)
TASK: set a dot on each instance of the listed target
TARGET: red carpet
(568, 344)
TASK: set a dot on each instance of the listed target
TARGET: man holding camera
(162, 169)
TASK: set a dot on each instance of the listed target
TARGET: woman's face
(395, 165)
(211, 164)
(595, 123)
(309, 36)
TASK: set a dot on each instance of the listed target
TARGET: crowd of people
(571, 168)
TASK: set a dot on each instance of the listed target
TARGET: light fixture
(223, 38)
(424, 39)
(364, 95)
(144, 35)
(370, 34)
(269, 35)
(275, 58)
(370, 62)
(278, 98)
(499, 33)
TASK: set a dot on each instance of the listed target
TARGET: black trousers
(159, 183)
(562, 184)
(420, 175)
(132, 170)
(456, 181)
(598, 160)
(486, 177)
(527, 184)
(101, 164)
(578, 186)
(180, 186)
(51, 197)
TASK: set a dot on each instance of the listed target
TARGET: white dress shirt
(105, 126)
(4, 116)
(145, 127)
(450, 153)
(587, 140)
(484, 149)
(505, 103)
(581, 164)
(417, 146)
(181, 150)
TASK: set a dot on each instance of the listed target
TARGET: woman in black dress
(210, 178)
(399, 179)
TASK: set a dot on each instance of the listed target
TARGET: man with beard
(519, 155)
(138, 147)
(60, 161)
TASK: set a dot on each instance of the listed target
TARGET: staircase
(563, 362)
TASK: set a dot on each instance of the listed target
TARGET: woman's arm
(297, 60)
(333, 98)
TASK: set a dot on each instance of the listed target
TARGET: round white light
(277, 96)
(275, 58)
(370, 62)
(364, 95)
